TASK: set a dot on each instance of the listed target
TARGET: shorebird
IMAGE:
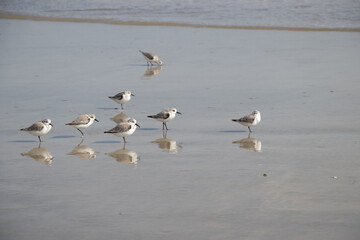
(124, 129)
(165, 116)
(122, 97)
(83, 121)
(250, 120)
(151, 58)
(39, 128)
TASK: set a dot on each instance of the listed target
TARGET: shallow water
(274, 13)
(202, 181)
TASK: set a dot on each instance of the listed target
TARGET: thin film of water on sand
(206, 177)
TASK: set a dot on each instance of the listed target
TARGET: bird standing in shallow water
(124, 129)
(151, 58)
(83, 121)
(122, 97)
(165, 116)
(249, 120)
(39, 128)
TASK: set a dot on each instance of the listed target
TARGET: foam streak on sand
(170, 24)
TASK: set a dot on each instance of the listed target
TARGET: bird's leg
(122, 106)
(166, 126)
(249, 129)
(39, 138)
(82, 140)
(81, 132)
(124, 140)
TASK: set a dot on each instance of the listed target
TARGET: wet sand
(5, 15)
(295, 177)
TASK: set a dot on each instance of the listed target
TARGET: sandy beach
(295, 177)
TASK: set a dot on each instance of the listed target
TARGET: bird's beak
(51, 125)
(178, 112)
(132, 95)
(96, 120)
(137, 125)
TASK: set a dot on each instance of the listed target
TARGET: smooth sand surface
(295, 177)
(4, 15)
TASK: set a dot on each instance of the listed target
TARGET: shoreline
(170, 24)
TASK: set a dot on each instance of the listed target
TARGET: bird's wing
(248, 119)
(82, 119)
(122, 127)
(148, 55)
(161, 115)
(119, 95)
(38, 126)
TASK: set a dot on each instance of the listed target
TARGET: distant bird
(39, 128)
(124, 129)
(249, 120)
(83, 121)
(122, 97)
(151, 58)
(165, 116)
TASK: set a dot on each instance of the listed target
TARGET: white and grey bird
(249, 120)
(83, 121)
(39, 128)
(165, 116)
(151, 58)
(122, 97)
(124, 129)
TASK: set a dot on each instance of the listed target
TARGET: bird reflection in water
(152, 71)
(83, 151)
(119, 118)
(167, 144)
(249, 143)
(125, 156)
(40, 154)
